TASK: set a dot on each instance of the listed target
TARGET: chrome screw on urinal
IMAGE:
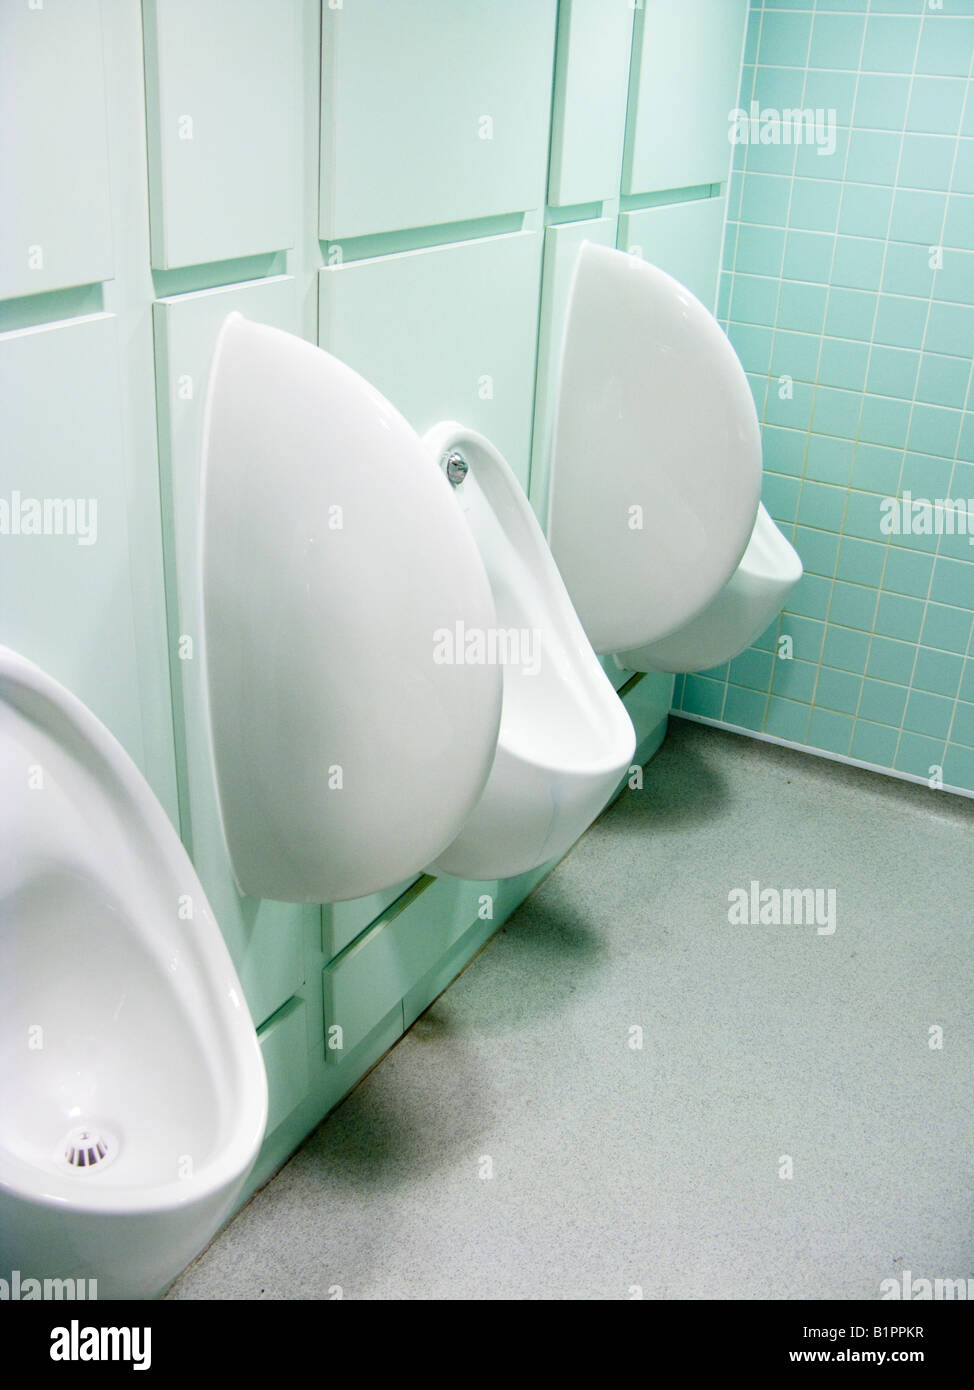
(456, 468)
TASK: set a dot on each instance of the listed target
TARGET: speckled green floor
(516, 1144)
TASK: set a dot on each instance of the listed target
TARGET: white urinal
(753, 596)
(565, 737)
(368, 719)
(133, 1096)
(654, 515)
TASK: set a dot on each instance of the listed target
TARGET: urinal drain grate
(89, 1147)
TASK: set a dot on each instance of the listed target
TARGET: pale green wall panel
(649, 702)
(468, 903)
(65, 602)
(588, 124)
(433, 113)
(55, 211)
(328, 1086)
(341, 923)
(265, 938)
(560, 251)
(221, 84)
(686, 70)
(684, 239)
(402, 946)
(284, 1043)
(447, 333)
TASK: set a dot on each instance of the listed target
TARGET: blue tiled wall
(851, 272)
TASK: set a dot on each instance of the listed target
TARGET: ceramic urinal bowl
(654, 515)
(346, 755)
(368, 719)
(565, 737)
(751, 599)
(132, 1094)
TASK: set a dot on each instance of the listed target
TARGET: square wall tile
(754, 299)
(928, 714)
(759, 250)
(829, 731)
(801, 307)
(837, 412)
(946, 46)
(900, 616)
(876, 469)
(892, 371)
(796, 355)
(836, 41)
(818, 549)
(891, 43)
(918, 754)
(881, 102)
(765, 199)
(837, 690)
(865, 210)
(874, 743)
(950, 329)
(873, 156)
(745, 708)
(786, 719)
(785, 38)
(861, 562)
(907, 572)
(943, 381)
(927, 161)
(917, 216)
(795, 679)
(947, 628)
(829, 460)
(891, 660)
(851, 314)
(907, 270)
(900, 321)
(703, 696)
(852, 605)
(858, 262)
(808, 256)
(936, 104)
(882, 703)
(815, 205)
(937, 672)
(845, 650)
